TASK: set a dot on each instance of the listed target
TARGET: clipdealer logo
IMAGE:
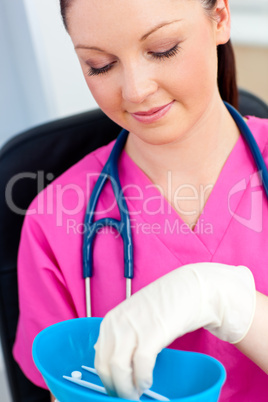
(253, 219)
(138, 227)
(69, 199)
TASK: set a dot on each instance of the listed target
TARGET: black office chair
(48, 149)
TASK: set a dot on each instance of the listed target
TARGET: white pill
(77, 375)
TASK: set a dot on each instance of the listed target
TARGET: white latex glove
(220, 298)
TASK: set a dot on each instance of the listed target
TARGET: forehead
(95, 18)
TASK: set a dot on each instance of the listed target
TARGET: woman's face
(150, 65)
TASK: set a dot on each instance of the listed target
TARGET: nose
(138, 83)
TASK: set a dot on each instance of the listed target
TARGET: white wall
(65, 89)
(250, 5)
(19, 77)
(40, 77)
(5, 394)
(249, 22)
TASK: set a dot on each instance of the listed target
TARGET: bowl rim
(50, 378)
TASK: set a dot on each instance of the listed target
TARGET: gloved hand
(220, 298)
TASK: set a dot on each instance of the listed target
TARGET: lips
(152, 115)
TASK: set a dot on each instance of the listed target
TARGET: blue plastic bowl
(65, 347)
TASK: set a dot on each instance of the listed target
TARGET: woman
(152, 68)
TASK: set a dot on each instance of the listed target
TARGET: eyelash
(167, 54)
(98, 71)
(158, 56)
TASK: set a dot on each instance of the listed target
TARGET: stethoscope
(110, 172)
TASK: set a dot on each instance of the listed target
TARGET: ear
(223, 21)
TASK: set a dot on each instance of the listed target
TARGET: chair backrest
(27, 163)
(27, 160)
(251, 105)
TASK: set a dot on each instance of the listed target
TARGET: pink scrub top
(233, 229)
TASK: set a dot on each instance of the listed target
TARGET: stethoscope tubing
(110, 172)
(252, 144)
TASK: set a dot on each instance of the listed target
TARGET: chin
(158, 136)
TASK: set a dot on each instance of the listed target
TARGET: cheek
(105, 94)
(205, 55)
(196, 70)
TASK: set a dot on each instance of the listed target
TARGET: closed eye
(167, 54)
(155, 55)
(98, 71)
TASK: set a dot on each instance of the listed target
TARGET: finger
(103, 351)
(113, 359)
(121, 365)
(108, 384)
(123, 381)
(143, 366)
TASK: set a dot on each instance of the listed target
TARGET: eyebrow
(161, 25)
(145, 36)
